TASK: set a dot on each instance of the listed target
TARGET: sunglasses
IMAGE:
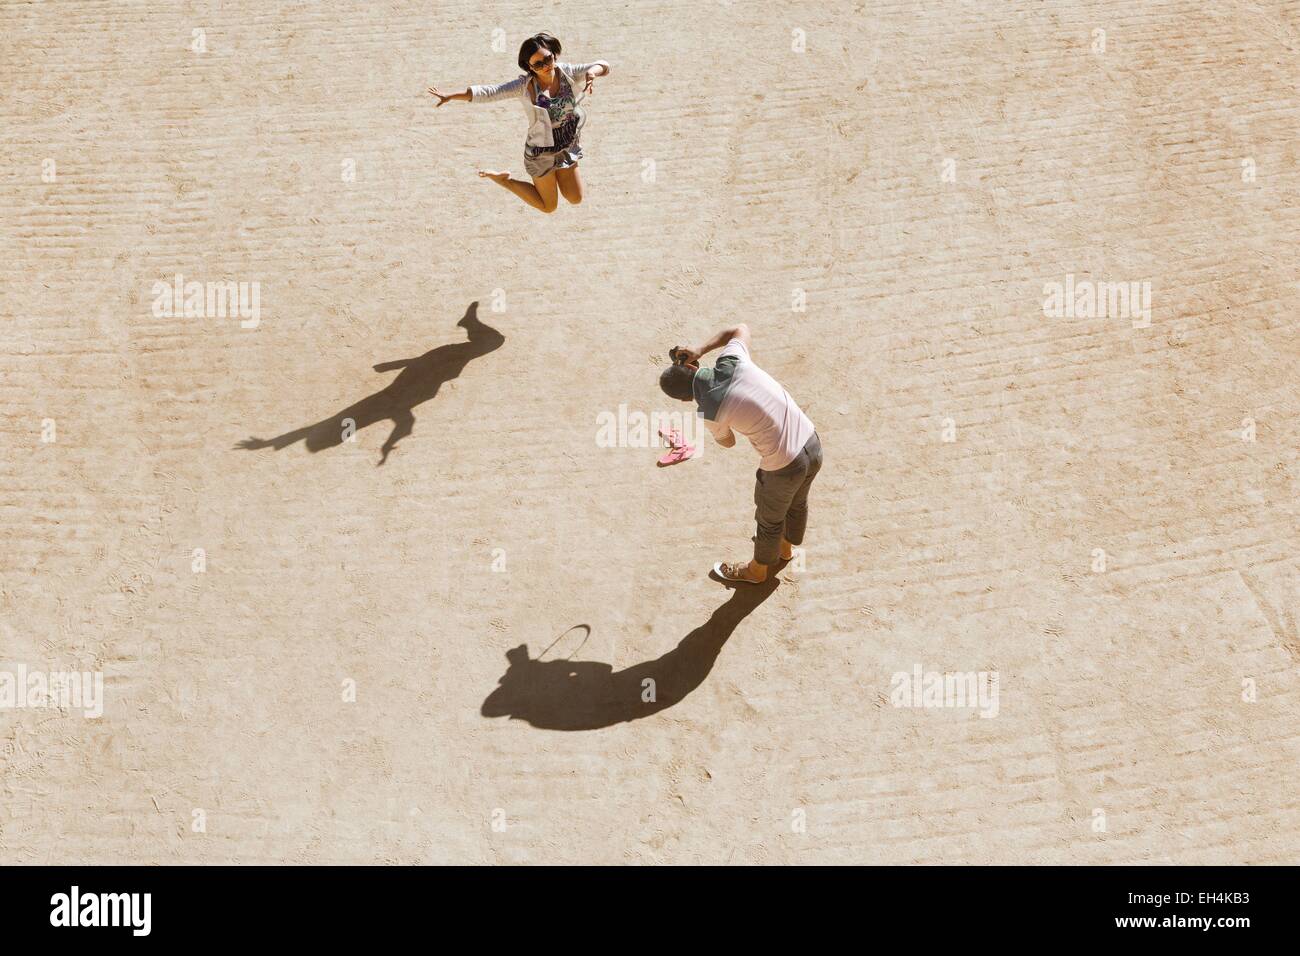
(545, 61)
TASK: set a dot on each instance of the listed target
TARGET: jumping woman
(551, 93)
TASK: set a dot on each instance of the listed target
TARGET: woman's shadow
(588, 695)
(419, 381)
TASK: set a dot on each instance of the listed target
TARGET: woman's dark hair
(678, 382)
(532, 45)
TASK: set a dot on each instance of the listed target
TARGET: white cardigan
(539, 120)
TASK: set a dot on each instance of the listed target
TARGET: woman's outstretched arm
(594, 69)
(466, 95)
(588, 70)
(482, 93)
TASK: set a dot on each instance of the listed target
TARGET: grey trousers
(781, 498)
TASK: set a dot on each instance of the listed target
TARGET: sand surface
(1112, 528)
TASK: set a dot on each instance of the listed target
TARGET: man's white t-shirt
(756, 406)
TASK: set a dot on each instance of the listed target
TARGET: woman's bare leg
(570, 181)
(540, 193)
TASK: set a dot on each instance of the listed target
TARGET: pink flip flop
(678, 450)
(676, 454)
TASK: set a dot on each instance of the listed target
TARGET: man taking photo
(738, 396)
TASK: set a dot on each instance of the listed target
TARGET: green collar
(709, 392)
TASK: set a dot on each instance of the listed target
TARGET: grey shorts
(539, 162)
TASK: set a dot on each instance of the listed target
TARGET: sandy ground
(1111, 526)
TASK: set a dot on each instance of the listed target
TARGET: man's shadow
(419, 381)
(587, 695)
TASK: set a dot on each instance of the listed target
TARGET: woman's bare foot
(787, 550)
(525, 191)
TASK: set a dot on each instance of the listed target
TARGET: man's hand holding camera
(685, 355)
